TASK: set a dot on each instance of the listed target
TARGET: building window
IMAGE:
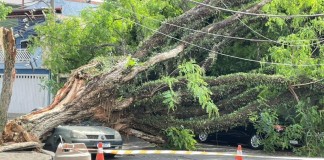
(24, 44)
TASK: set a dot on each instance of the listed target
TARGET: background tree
(301, 41)
(75, 41)
(4, 10)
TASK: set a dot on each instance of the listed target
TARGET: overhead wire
(231, 37)
(254, 31)
(231, 56)
(271, 40)
(258, 14)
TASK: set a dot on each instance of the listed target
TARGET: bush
(306, 125)
(180, 138)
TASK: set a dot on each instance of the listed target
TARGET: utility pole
(22, 4)
(53, 6)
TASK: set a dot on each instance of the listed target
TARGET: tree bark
(195, 18)
(77, 100)
(19, 146)
(7, 44)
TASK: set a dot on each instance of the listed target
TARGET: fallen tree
(121, 99)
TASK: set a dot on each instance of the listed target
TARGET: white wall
(28, 93)
(18, 2)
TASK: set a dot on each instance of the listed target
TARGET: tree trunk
(7, 44)
(15, 146)
(77, 100)
(111, 97)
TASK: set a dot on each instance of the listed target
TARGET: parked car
(89, 135)
(238, 135)
(300, 142)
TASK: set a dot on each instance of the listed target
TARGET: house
(29, 91)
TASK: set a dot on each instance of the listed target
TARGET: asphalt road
(188, 157)
(132, 143)
(136, 144)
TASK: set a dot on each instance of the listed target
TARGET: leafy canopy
(196, 85)
(171, 98)
(181, 138)
(302, 44)
(4, 10)
(104, 31)
(303, 123)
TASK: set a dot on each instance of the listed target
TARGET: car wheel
(203, 137)
(255, 142)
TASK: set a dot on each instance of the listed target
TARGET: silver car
(89, 135)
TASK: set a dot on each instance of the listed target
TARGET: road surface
(132, 143)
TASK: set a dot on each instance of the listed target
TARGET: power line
(274, 41)
(250, 27)
(235, 57)
(231, 37)
(257, 14)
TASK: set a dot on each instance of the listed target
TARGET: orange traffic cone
(239, 153)
(100, 155)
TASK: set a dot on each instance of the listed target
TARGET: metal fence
(28, 93)
(22, 56)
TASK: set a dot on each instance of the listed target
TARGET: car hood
(90, 129)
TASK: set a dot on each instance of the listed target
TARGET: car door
(235, 135)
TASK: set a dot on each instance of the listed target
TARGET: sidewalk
(24, 155)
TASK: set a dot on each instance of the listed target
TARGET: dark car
(89, 135)
(238, 135)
